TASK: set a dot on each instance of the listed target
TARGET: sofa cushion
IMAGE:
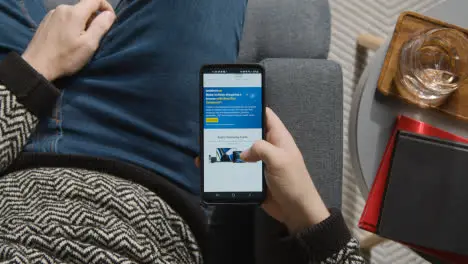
(285, 29)
(307, 94)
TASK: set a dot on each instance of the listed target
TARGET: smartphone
(232, 117)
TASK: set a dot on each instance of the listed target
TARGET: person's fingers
(87, 8)
(99, 26)
(273, 121)
(261, 150)
(278, 130)
(47, 19)
(90, 19)
(49, 14)
(197, 162)
(268, 203)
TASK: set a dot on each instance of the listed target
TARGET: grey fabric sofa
(291, 40)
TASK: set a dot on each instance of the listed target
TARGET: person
(84, 206)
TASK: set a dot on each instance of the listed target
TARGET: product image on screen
(226, 155)
(232, 122)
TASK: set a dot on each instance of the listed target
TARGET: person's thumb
(261, 150)
(100, 25)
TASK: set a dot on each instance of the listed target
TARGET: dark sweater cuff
(326, 238)
(31, 89)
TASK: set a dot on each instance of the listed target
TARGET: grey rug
(349, 19)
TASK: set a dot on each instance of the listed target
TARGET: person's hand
(68, 37)
(292, 197)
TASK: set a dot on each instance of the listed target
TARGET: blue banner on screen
(228, 108)
(233, 110)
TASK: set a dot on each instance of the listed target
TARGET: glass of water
(432, 66)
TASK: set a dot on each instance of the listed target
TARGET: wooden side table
(372, 114)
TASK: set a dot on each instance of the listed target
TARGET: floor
(349, 19)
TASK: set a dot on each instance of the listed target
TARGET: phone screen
(232, 121)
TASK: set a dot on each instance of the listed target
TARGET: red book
(371, 214)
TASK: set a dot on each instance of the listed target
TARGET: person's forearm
(25, 95)
(330, 241)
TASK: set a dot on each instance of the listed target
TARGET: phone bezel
(223, 200)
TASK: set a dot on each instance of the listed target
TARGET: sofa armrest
(307, 94)
(285, 29)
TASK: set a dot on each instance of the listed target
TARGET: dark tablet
(426, 200)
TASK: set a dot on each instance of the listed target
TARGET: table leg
(371, 241)
(370, 41)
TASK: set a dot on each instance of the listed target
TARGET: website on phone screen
(232, 123)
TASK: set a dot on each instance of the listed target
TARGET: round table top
(373, 115)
